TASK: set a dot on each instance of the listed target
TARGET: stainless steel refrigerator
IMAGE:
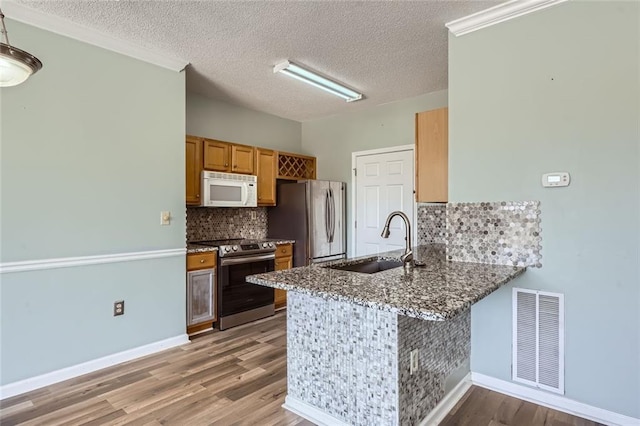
(313, 214)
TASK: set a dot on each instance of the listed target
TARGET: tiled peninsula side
(360, 374)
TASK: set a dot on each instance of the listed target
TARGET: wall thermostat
(556, 179)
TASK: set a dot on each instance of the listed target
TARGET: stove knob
(271, 245)
(265, 245)
(235, 248)
(227, 249)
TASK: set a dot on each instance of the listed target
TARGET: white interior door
(383, 183)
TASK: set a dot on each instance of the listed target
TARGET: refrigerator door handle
(327, 209)
(333, 215)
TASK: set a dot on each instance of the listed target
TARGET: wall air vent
(538, 339)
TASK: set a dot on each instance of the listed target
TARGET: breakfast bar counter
(378, 348)
(436, 291)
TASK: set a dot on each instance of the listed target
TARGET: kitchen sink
(369, 266)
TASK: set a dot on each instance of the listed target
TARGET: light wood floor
(234, 377)
(482, 407)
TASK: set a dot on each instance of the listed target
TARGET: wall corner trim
(554, 401)
(64, 27)
(500, 13)
(26, 385)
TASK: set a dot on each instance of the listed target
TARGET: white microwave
(229, 190)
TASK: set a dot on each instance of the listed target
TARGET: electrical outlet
(118, 308)
(165, 218)
(414, 361)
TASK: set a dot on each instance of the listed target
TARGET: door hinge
(355, 172)
(356, 224)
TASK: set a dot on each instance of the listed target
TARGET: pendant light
(16, 65)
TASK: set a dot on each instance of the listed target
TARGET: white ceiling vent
(538, 339)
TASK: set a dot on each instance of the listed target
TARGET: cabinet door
(242, 159)
(266, 171)
(193, 167)
(432, 156)
(284, 260)
(283, 263)
(217, 156)
(201, 306)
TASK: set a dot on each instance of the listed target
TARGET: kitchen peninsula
(351, 336)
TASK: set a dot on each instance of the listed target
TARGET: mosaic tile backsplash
(500, 233)
(206, 223)
(432, 223)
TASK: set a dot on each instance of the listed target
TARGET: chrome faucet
(407, 257)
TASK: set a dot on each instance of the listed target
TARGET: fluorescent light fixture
(309, 77)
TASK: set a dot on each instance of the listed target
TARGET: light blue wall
(219, 120)
(558, 90)
(92, 149)
(333, 139)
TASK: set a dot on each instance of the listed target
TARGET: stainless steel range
(240, 302)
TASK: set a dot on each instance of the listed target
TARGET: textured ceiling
(388, 50)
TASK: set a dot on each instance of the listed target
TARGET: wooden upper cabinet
(432, 156)
(217, 155)
(193, 167)
(266, 172)
(242, 159)
(228, 157)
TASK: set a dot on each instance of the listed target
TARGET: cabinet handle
(201, 260)
(197, 195)
(226, 164)
(235, 166)
(284, 251)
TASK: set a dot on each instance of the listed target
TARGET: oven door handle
(244, 259)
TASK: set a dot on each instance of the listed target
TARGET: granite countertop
(279, 241)
(197, 248)
(437, 291)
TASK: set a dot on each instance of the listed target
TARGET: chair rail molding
(68, 262)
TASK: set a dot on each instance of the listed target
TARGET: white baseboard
(311, 413)
(449, 401)
(553, 401)
(67, 373)
(436, 415)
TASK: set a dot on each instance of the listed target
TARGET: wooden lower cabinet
(201, 291)
(284, 260)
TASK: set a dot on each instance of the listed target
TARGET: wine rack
(296, 166)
